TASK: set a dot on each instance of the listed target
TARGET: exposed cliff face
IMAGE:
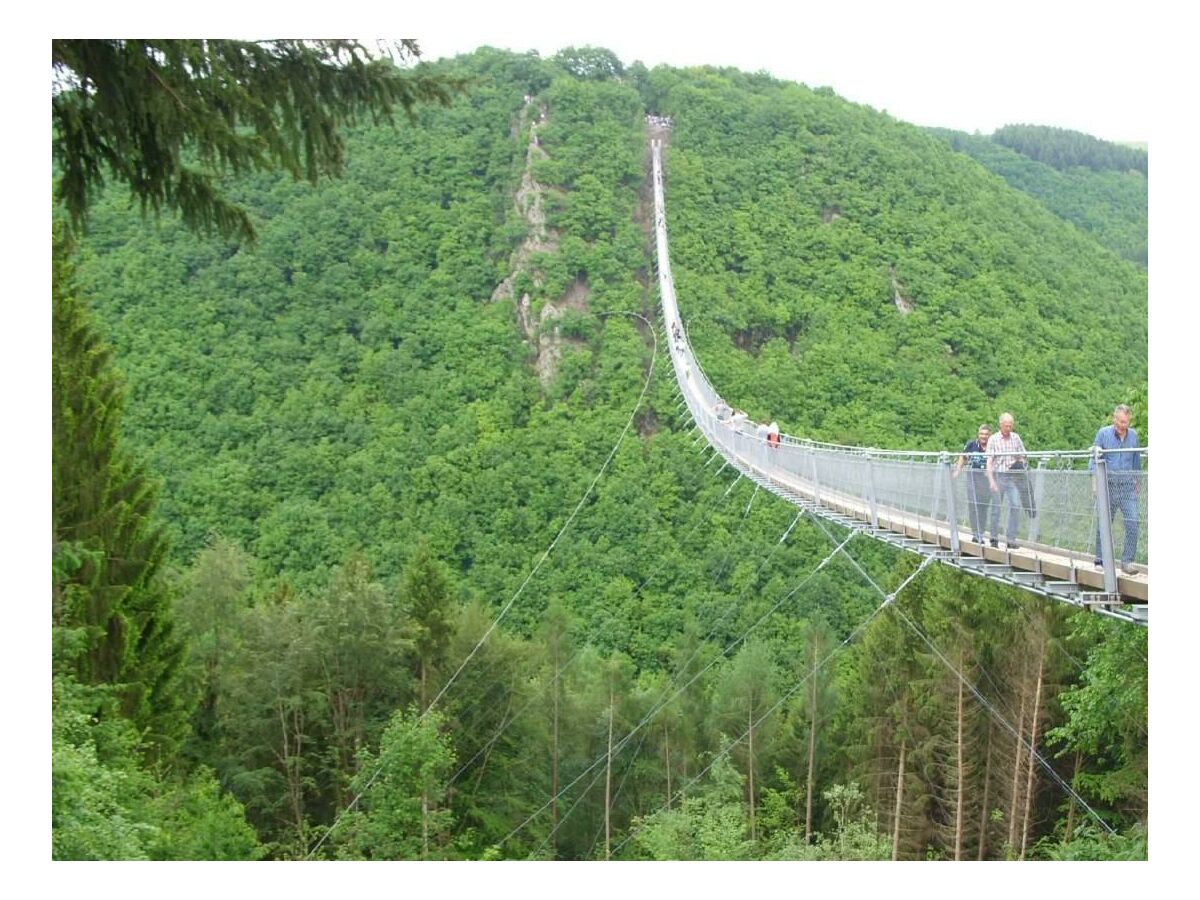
(904, 304)
(530, 204)
(550, 341)
(529, 201)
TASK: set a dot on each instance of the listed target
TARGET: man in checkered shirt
(1005, 462)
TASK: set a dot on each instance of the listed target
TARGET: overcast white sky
(957, 65)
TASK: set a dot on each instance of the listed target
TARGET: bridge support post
(871, 491)
(951, 506)
(1039, 491)
(1100, 483)
(816, 479)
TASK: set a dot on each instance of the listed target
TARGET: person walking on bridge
(979, 497)
(1123, 464)
(1005, 466)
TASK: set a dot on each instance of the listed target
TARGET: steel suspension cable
(679, 794)
(507, 606)
(995, 713)
(661, 704)
(575, 653)
(1028, 745)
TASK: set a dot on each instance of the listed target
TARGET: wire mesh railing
(1051, 501)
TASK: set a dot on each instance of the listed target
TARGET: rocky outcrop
(904, 304)
(544, 333)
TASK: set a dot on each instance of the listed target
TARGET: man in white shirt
(1005, 465)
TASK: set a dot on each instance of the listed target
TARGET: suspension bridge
(917, 501)
(913, 500)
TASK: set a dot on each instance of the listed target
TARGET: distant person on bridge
(979, 498)
(1005, 470)
(773, 435)
(1124, 480)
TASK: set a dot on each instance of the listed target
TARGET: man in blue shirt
(979, 497)
(1124, 469)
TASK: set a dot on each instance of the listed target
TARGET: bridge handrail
(920, 484)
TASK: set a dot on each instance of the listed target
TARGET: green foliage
(105, 805)
(94, 802)
(711, 825)
(109, 544)
(402, 789)
(1109, 204)
(198, 820)
(425, 589)
(1106, 718)
(1090, 843)
(388, 444)
(138, 111)
(854, 836)
(1064, 149)
(592, 63)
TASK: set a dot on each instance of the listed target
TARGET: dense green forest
(1110, 202)
(1065, 149)
(340, 453)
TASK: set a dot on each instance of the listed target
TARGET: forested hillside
(369, 429)
(1105, 196)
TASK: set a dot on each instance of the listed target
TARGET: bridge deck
(1064, 574)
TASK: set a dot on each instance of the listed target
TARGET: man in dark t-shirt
(979, 498)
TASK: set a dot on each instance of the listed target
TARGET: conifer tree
(428, 601)
(168, 117)
(108, 545)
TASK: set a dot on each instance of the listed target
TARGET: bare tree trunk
(424, 825)
(987, 782)
(812, 753)
(1017, 760)
(1033, 738)
(291, 765)
(424, 793)
(899, 801)
(608, 782)
(750, 770)
(1070, 830)
(554, 760)
(667, 743)
(961, 774)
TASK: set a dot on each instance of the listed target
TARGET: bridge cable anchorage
(649, 716)
(507, 606)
